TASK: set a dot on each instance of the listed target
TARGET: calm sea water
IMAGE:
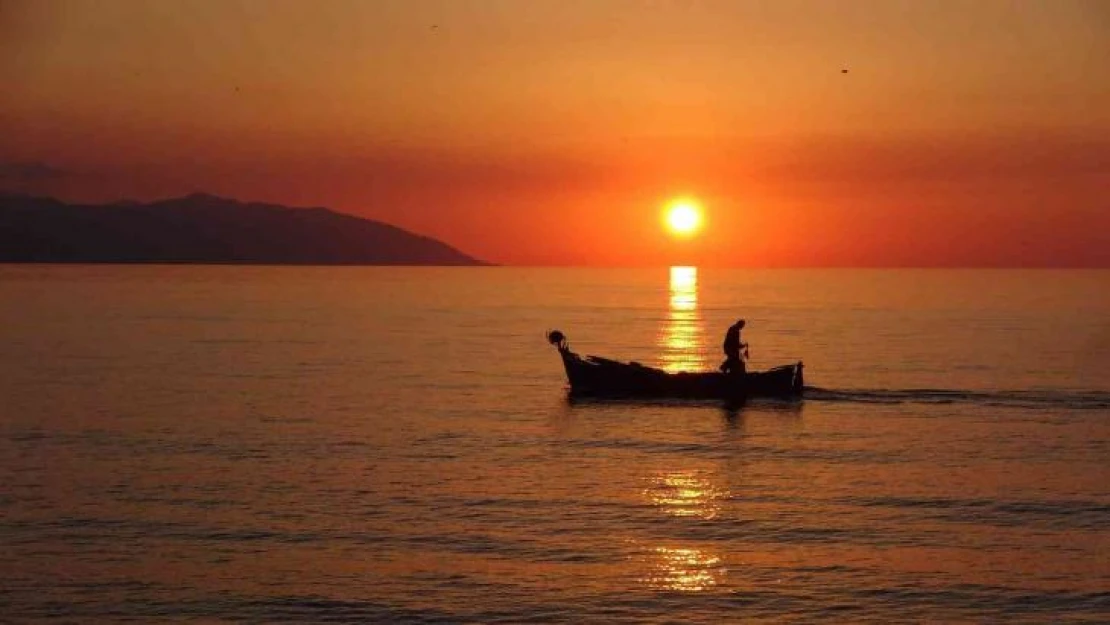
(370, 444)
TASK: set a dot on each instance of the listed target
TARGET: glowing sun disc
(683, 217)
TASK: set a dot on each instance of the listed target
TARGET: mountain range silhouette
(202, 228)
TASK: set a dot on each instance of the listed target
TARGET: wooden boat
(602, 377)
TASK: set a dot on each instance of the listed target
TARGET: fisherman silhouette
(733, 363)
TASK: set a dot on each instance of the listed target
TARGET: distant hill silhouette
(203, 228)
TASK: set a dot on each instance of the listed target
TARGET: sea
(396, 445)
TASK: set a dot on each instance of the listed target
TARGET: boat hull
(601, 377)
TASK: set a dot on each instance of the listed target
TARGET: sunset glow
(968, 134)
(684, 217)
(528, 310)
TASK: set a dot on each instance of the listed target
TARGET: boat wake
(1072, 400)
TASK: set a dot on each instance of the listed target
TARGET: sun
(683, 217)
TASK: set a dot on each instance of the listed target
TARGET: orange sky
(551, 131)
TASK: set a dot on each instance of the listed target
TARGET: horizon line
(492, 265)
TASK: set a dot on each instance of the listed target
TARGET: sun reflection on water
(692, 495)
(682, 340)
(684, 569)
(686, 494)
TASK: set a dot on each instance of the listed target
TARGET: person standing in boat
(733, 362)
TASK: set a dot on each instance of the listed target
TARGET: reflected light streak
(682, 339)
(685, 569)
(686, 494)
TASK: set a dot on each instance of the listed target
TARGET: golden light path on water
(684, 494)
(686, 569)
(683, 567)
(682, 339)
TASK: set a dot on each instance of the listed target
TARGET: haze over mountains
(202, 228)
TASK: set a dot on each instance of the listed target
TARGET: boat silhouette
(604, 377)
